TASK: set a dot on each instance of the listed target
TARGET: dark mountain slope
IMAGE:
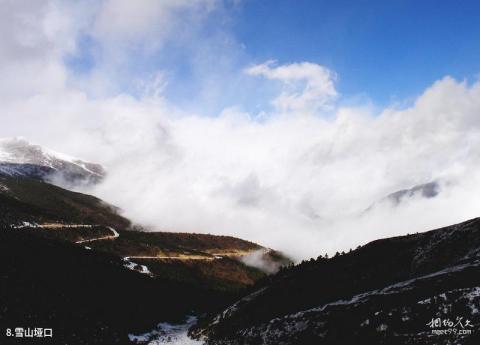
(328, 301)
(25, 199)
(201, 242)
(138, 242)
(30, 199)
(426, 191)
(85, 296)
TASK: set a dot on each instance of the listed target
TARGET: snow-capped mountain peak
(22, 158)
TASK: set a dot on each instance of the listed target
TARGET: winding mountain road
(183, 257)
(111, 237)
(115, 235)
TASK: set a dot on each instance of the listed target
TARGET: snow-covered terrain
(136, 267)
(166, 333)
(3, 188)
(18, 157)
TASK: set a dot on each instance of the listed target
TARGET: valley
(58, 245)
(72, 262)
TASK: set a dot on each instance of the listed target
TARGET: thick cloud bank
(288, 177)
(301, 184)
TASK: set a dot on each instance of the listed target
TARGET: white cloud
(35, 36)
(298, 184)
(307, 86)
(146, 21)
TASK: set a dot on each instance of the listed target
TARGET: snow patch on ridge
(18, 157)
(167, 333)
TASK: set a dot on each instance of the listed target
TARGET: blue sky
(384, 51)
(390, 50)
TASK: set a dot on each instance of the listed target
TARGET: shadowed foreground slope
(85, 296)
(385, 292)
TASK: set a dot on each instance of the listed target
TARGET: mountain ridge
(372, 295)
(18, 157)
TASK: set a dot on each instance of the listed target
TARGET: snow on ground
(7, 170)
(136, 267)
(166, 333)
(130, 265)
(18, 157)
(144, 269)
(20, 151)
(26, 225)
(472, 296)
